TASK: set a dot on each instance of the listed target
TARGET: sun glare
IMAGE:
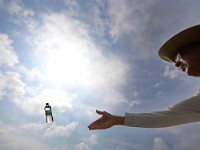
(67, 67)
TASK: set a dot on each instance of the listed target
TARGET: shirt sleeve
(187, 111)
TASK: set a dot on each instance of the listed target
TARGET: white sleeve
(187, 111)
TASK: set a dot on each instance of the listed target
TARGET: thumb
(100, 112)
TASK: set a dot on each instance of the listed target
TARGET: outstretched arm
(106, 121)
(187, 111)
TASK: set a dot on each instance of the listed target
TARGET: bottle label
(48, 113)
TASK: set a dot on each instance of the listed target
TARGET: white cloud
(108, 75)
(11, 85)
(17, 8)
(30, 74)
(33, 127)
(60, 131)
(8, 56)
(60, 101)
(102, 74)
(51, 130)
(120, 22)
(133, 103)
(127, 16)
(79, 61)
(133, 21)
(59, 32)
(19, 13)
(185, 137)
(10, 139)
(72, 6)
(170, 72)
(159, 144)
(82, 146)
(32, 101)
(93, 139)
(100, 17)
(187, 140)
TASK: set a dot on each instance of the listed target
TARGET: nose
(178, 63)
(181, 66)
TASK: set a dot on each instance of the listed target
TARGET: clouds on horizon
(60, 131)
(11, 139)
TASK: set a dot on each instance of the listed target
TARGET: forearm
(187, 111)
(157, 120)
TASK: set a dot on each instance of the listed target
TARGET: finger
(95, 127)
(100, 112)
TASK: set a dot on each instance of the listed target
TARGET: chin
(193, 71)
(193, 74)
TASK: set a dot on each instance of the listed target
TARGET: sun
(67, 67)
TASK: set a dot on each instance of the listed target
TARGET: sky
(83, 55)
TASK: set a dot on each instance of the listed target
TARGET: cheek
(193, 69)
(194, 62)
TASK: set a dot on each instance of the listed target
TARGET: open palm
(106, 121)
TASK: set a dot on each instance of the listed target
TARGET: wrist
(119, 120)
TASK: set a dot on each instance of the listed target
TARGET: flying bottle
(48, 113)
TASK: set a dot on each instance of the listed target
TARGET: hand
(106, 121)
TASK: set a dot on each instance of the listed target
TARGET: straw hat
(169, 50)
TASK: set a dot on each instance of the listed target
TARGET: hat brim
(170, 49)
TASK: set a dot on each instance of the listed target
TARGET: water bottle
(48, 113)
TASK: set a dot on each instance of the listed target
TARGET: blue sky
(83, 55)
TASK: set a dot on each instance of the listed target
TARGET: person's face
(190, 60)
